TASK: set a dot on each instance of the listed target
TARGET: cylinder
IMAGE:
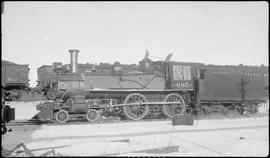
(80, 108)
(73, 60)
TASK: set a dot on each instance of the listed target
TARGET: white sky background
(223, 33)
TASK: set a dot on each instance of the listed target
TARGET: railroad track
(107, 120)
(78, 121)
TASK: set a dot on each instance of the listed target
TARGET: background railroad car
(14, 75)
(15, 79)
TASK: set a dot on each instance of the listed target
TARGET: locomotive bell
(73, 60)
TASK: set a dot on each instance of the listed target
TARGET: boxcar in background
(15, 79)
(44, 75)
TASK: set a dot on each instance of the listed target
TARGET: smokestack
(73, 60)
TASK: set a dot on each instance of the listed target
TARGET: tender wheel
(237, 109)
(135, 112)
(92, 115)
(256, 110)
(62, 116)
(172, 110)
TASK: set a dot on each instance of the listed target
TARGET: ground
(243, 136)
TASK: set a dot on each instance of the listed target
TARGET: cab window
(181, 72)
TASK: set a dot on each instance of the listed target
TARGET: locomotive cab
(181, 75)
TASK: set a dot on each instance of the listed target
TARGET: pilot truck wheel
(62, 116)
(92, 115)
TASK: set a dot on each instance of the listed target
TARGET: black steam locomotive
(149, 89)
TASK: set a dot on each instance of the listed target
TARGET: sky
(221, 33)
